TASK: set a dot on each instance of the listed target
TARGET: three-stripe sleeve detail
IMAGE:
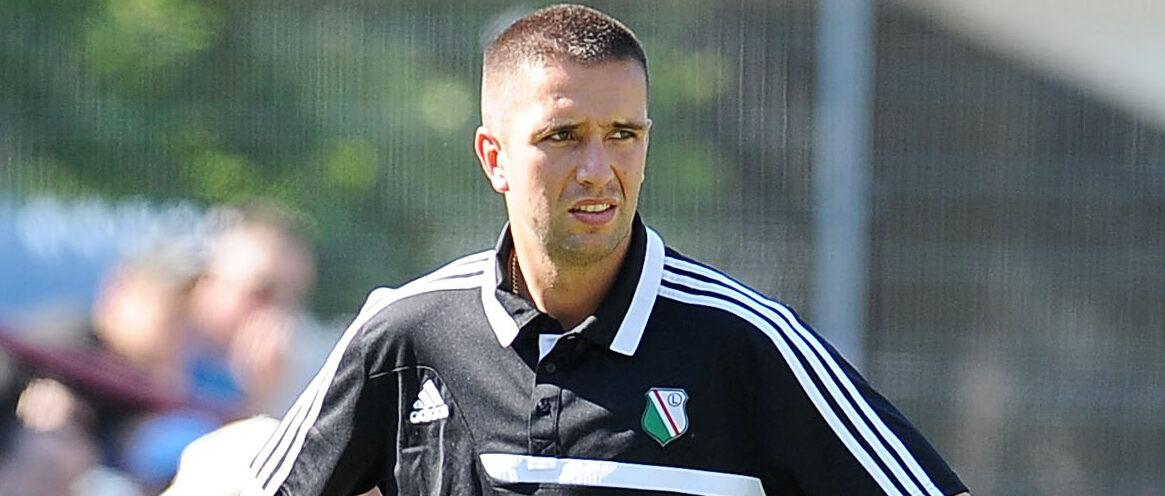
(880, 452)
(274, 462)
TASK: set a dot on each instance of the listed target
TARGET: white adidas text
(429, 406)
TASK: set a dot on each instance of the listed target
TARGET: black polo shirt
(682, 382)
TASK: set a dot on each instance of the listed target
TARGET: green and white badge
(666, 415)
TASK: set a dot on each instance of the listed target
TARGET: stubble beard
(582, 250)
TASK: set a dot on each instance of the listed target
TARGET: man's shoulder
(435, 290)
(687, 274)
(693, 283)
(462, 273)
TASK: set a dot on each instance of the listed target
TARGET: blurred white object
(1112, 49)
(105, 481)
(216, 464)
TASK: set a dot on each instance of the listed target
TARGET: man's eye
(623, 134)
(559, 136)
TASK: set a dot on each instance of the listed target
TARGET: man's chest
(672, 403)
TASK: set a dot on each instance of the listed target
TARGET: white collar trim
(500, 320)
(630, 331)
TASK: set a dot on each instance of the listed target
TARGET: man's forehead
(555, 81)
(537, 70)
(538, 88)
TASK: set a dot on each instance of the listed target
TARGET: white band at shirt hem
(512, 469)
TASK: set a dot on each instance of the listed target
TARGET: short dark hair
(571, 33)
(560, 33)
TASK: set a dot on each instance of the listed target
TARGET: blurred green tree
(357, 113)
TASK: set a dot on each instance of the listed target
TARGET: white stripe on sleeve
(740, 300)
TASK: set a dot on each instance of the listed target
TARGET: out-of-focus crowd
(181, 340)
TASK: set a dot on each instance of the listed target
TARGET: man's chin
(588, 249)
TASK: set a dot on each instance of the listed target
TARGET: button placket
(546, 402)
(544, 420)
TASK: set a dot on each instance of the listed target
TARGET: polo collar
(619, 321)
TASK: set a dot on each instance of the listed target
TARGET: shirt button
(543, 407)
(550, 368)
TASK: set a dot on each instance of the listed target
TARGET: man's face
(570, 156)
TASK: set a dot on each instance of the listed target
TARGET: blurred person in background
(77, 401)
(249, 346)
(140, 312)
(253, 347)
(182, 338)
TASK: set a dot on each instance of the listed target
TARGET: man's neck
(569, 293)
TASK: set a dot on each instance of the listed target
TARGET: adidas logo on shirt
(429, 405)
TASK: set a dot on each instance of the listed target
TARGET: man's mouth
(593, 208)
(594, 214)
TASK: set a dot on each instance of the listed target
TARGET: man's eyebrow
(632, 125)
(556, 126)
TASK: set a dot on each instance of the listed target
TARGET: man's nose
(596, 167)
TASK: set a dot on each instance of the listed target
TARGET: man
(581, 356)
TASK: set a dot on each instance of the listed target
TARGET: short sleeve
(826, 431)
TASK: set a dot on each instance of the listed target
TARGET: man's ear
(489, 152)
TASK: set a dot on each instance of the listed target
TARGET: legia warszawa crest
(666, 415)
